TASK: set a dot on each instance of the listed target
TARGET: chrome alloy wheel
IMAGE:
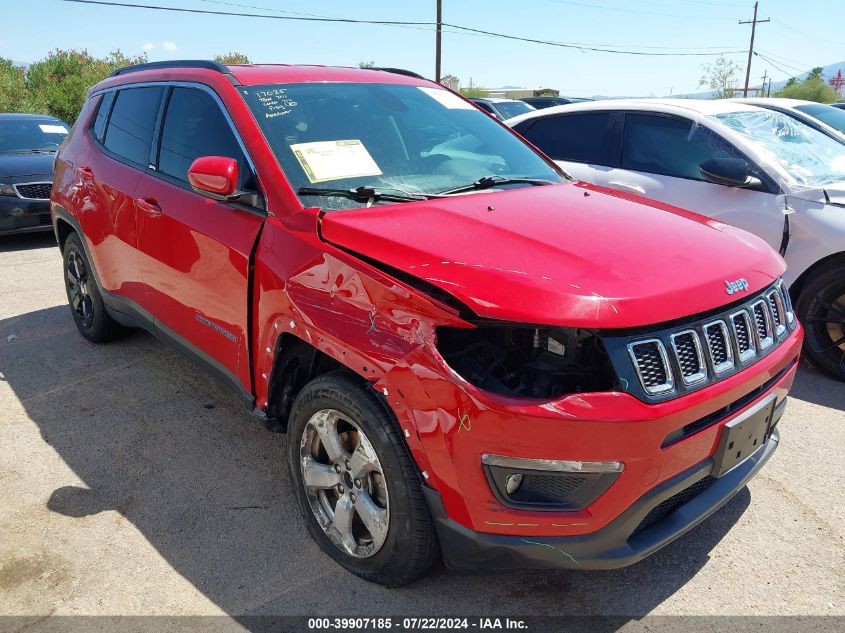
(344, 483)
(78, 291)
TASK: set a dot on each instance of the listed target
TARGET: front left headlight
(528, 361)
(7, 190)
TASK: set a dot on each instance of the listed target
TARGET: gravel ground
(133, 484)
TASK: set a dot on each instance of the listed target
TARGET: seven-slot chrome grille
(691, 355)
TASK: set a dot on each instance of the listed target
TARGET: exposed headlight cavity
(527, 361)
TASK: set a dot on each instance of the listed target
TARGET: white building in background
(451, 82)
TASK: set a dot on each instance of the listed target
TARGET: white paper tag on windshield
(333, 160)
(446, 98)
(53, 129)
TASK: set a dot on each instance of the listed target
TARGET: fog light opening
(513, 482)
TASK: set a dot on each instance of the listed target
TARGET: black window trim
(101, 144)
(155, 147)
(93, 121)
(769, 185)
(612, 146)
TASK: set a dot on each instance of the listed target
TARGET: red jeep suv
(470, 353)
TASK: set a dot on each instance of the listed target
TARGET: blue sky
(795, 39)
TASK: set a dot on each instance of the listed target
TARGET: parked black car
(548, 102)
(28, 145)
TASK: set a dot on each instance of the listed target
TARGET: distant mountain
(828, 72)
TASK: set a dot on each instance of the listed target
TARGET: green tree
(59, 83)
(13, 95)
(232, 58)
(369, 64)
(815, 73)
(812, 88)
(474, 91)
(720, 76)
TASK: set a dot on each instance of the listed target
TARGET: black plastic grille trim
(652, 365)
(718, 343)
(743, 336)
(662, 510)
(701, 350)
(35, 190)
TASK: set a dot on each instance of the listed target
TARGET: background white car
(825, 118)
(757, 169)
(501, 108)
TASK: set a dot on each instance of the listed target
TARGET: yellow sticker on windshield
(334, 160)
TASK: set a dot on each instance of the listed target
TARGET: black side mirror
(732, 172)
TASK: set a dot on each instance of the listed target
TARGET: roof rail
(401, 71)
(179, 63)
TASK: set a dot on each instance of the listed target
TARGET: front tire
(355, 483)
(821, 310)
(83, 295)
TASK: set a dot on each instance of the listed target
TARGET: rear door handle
(86, 173)
(149, 206)
(624, 186)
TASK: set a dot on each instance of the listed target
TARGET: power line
(772, 63)
(301, 18)
(580, 47)
(767, 56)
(619, 46)
(784, 60)
(464, 29)
(813, 37)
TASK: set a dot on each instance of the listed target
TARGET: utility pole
(753, 22)
(763, 85)
(438, 40)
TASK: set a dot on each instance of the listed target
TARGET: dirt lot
(133, 484)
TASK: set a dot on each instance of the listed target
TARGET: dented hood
(570, 254)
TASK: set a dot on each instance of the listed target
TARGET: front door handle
(624, 186)
(149, 206)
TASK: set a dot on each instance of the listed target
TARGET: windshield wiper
(366, 194)
(488, 182)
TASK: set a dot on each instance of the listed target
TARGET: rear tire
(83, 295)
(364, 506)
(821, 310)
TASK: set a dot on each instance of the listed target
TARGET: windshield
(834, 117)
(397, 138)
(809, 158)
(27, 135)
(510, 109)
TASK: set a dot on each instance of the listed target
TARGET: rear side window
(670, 146)
(130, 129)
(99, 127)
(194, 126)
(580, 138)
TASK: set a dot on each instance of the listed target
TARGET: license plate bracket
(743, 435)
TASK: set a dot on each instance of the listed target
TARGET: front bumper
(626, 540)
(449, 427)
(22, 215)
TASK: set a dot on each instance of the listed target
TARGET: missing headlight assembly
(527, 361)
